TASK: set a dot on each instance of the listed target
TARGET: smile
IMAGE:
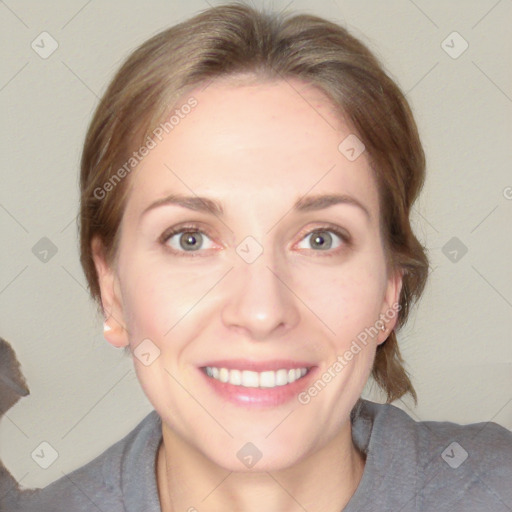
(252, 379)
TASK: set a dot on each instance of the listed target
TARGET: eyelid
(180, 228)
(327, 226)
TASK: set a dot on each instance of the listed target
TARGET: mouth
(251, 379)
(257, 384)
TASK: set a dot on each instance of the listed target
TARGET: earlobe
(114, 330)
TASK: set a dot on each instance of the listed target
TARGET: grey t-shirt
(410, 466)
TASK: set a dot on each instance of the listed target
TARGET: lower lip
(259, 397)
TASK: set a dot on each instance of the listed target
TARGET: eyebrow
(320, 202)
(304, 204)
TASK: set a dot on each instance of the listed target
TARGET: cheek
(157, 295)
(348, 297)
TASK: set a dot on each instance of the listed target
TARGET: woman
(246, 186)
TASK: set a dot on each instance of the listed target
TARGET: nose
(260, 303)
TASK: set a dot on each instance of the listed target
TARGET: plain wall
(84, 393)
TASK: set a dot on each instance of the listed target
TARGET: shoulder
(453, 465)
(101, 483)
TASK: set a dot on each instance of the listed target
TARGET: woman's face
(286, 273)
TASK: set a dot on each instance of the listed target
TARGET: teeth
(223, 375)
(282, 377)
(250, 379)
(268, 379)
(235, 377)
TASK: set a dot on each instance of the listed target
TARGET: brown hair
(234, 39)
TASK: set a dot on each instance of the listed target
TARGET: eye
(186, 240)
(324, 239)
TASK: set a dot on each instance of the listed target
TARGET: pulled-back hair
(237, 40)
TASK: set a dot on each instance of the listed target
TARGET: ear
(390, 306)
(115, 332)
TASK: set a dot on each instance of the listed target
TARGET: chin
(257, 457)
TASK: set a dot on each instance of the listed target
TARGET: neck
(321, 482)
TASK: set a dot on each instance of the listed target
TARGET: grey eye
(322, 239)
(189, 241)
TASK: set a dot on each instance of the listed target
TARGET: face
(274, 273)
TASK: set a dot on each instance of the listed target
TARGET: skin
(256, 149)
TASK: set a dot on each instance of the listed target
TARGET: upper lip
(258, 366)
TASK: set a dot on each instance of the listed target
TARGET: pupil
(321, 241)
(190, 240)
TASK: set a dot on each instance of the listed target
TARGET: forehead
(254, 139)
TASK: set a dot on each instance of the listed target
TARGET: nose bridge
(259, 301)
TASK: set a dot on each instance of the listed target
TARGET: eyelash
(193, 228)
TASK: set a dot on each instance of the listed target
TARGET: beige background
(84, 393)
